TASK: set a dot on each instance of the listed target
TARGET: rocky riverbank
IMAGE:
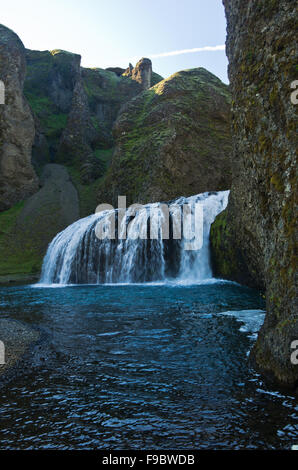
(18, 339)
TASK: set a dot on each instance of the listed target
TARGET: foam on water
(250, 320)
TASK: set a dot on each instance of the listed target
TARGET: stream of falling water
(78, 256)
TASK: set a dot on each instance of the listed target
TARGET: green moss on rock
(261, 215)
(172, 140)
(28, 227)
(15, 256)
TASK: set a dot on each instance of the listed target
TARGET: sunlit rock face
(141, 73)
(17, 177)
(171, 140)
(254, 239)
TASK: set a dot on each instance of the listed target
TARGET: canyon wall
(253, 241)
(17, 176)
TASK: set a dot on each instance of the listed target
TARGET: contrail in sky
(188, 51)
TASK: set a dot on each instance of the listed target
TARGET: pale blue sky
(114, 32)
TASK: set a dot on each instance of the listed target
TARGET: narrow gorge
(148, 255)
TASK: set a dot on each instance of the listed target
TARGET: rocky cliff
(17, 176)
(173, 139)
(74, 110)
(141, 73)
(254, 239)
(56, 112)
(49, 86)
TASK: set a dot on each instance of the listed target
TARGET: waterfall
(78, 256)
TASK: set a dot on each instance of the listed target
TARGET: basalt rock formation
(74, 112)
(141, 73)
(75, 146)
(49, 87)
(17, 176)
(75, 109)
(254, 239)
(172, 139)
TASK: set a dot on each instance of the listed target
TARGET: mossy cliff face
(254, 240)
(64, 129)
(75, 146)
(75, 108)
(49, 86)
(17, 177)
(106, 92)
(172, 140)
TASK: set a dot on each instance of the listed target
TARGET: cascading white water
(78, 256)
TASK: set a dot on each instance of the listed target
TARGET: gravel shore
(17, 339)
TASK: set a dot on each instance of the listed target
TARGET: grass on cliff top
(156, 78)
(197, 79)
(16, 257)
(105, 86)
(183, 90)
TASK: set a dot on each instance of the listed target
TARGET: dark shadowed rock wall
(254, 239)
